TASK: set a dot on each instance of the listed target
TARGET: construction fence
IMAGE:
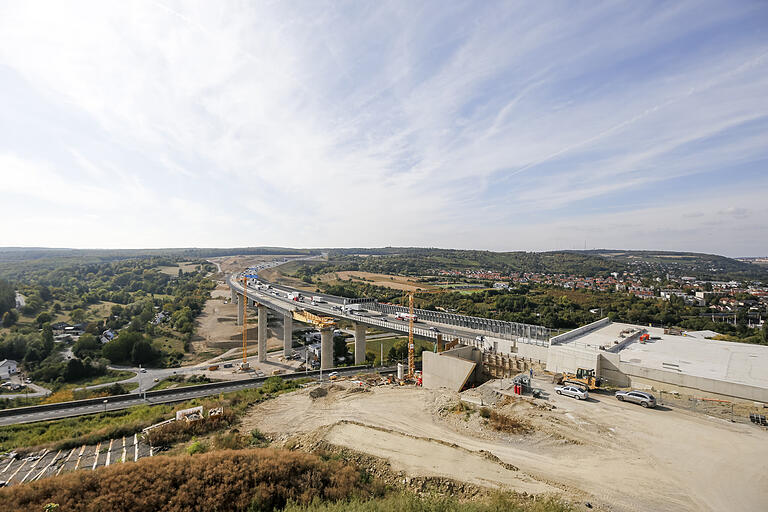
(736, 412)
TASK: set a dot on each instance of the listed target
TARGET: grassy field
(170, 384)
(93, 428)
(375, 345)
(174, 271)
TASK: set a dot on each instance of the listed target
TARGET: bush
(197, 447)
(182, 431)
(504, 423)
(259, 479)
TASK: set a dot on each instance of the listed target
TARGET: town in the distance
(576, 357)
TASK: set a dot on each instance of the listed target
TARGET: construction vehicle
(213, 368)
(583, 377)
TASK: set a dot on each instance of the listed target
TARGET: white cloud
(321, 124)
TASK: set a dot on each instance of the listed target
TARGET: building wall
(535, 352)
(668, 380)
(566, 358)
(581, 331)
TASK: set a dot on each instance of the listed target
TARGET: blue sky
(491, 125)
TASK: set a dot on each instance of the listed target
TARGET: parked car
(637, 397)
(572, 391)
(333, 375)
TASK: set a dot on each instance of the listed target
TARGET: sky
(496, 125)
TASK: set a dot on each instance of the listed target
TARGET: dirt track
(618, 455)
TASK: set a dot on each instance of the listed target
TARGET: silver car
(572, 391)
(638, 397)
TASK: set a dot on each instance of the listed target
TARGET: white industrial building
(8, 367)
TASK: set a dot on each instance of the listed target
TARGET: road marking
(8, 466)
(34, 466)
(65, 462)
(46, 467)
(109, 452)
(79, 457)
(23, 463)
(96, 457)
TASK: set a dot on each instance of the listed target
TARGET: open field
(616, 455)
(185, 266)
(385, 280)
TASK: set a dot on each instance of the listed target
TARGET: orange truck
(213, 368)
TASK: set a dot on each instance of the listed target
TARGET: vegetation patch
(258, 479)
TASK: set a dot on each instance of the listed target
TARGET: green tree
(47, 338)
(120, 349)
(77, 315)
(87, 346)
(765, 331)
(143, 352)
(43, 318)
(10, 318)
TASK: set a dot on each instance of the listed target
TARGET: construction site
(466, 418)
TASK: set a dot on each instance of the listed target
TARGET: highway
(70, 409)
(464, 328)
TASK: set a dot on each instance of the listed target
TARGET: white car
(572, 391)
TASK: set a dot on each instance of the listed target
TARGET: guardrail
(18, 411)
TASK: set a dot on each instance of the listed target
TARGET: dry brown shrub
(182, 430)
(221, 481)
(504, 423)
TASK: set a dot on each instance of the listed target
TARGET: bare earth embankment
(616, 455)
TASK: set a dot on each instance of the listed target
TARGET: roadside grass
(411, 502)
(179, 381)
(93, 428)
(388, 343)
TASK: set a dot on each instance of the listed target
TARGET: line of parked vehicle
(634, 396)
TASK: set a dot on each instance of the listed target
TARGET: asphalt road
(186, 393)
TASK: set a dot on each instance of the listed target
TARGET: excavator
(583, 377)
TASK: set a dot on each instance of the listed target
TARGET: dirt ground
(616, 455)
(386, 280)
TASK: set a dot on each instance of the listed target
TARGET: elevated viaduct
(437, 326)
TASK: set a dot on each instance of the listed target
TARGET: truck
(294, 296)
(213, 368)
(317, 299)
(406, 316)
(353, 307)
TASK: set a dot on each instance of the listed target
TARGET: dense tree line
(558, 308)
(148, 304)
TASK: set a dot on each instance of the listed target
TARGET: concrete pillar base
(359, 343)
(262, 333)
(326, 348)
(287, 335)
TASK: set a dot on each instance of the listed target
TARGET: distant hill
(413, 260)
(699, 265)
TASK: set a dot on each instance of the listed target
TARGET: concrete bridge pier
(262, 333)
(287, 335)
(326, 348)
(359, 343)
(240, 309)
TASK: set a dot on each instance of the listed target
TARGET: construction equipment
(318, 321)
(583, 377)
